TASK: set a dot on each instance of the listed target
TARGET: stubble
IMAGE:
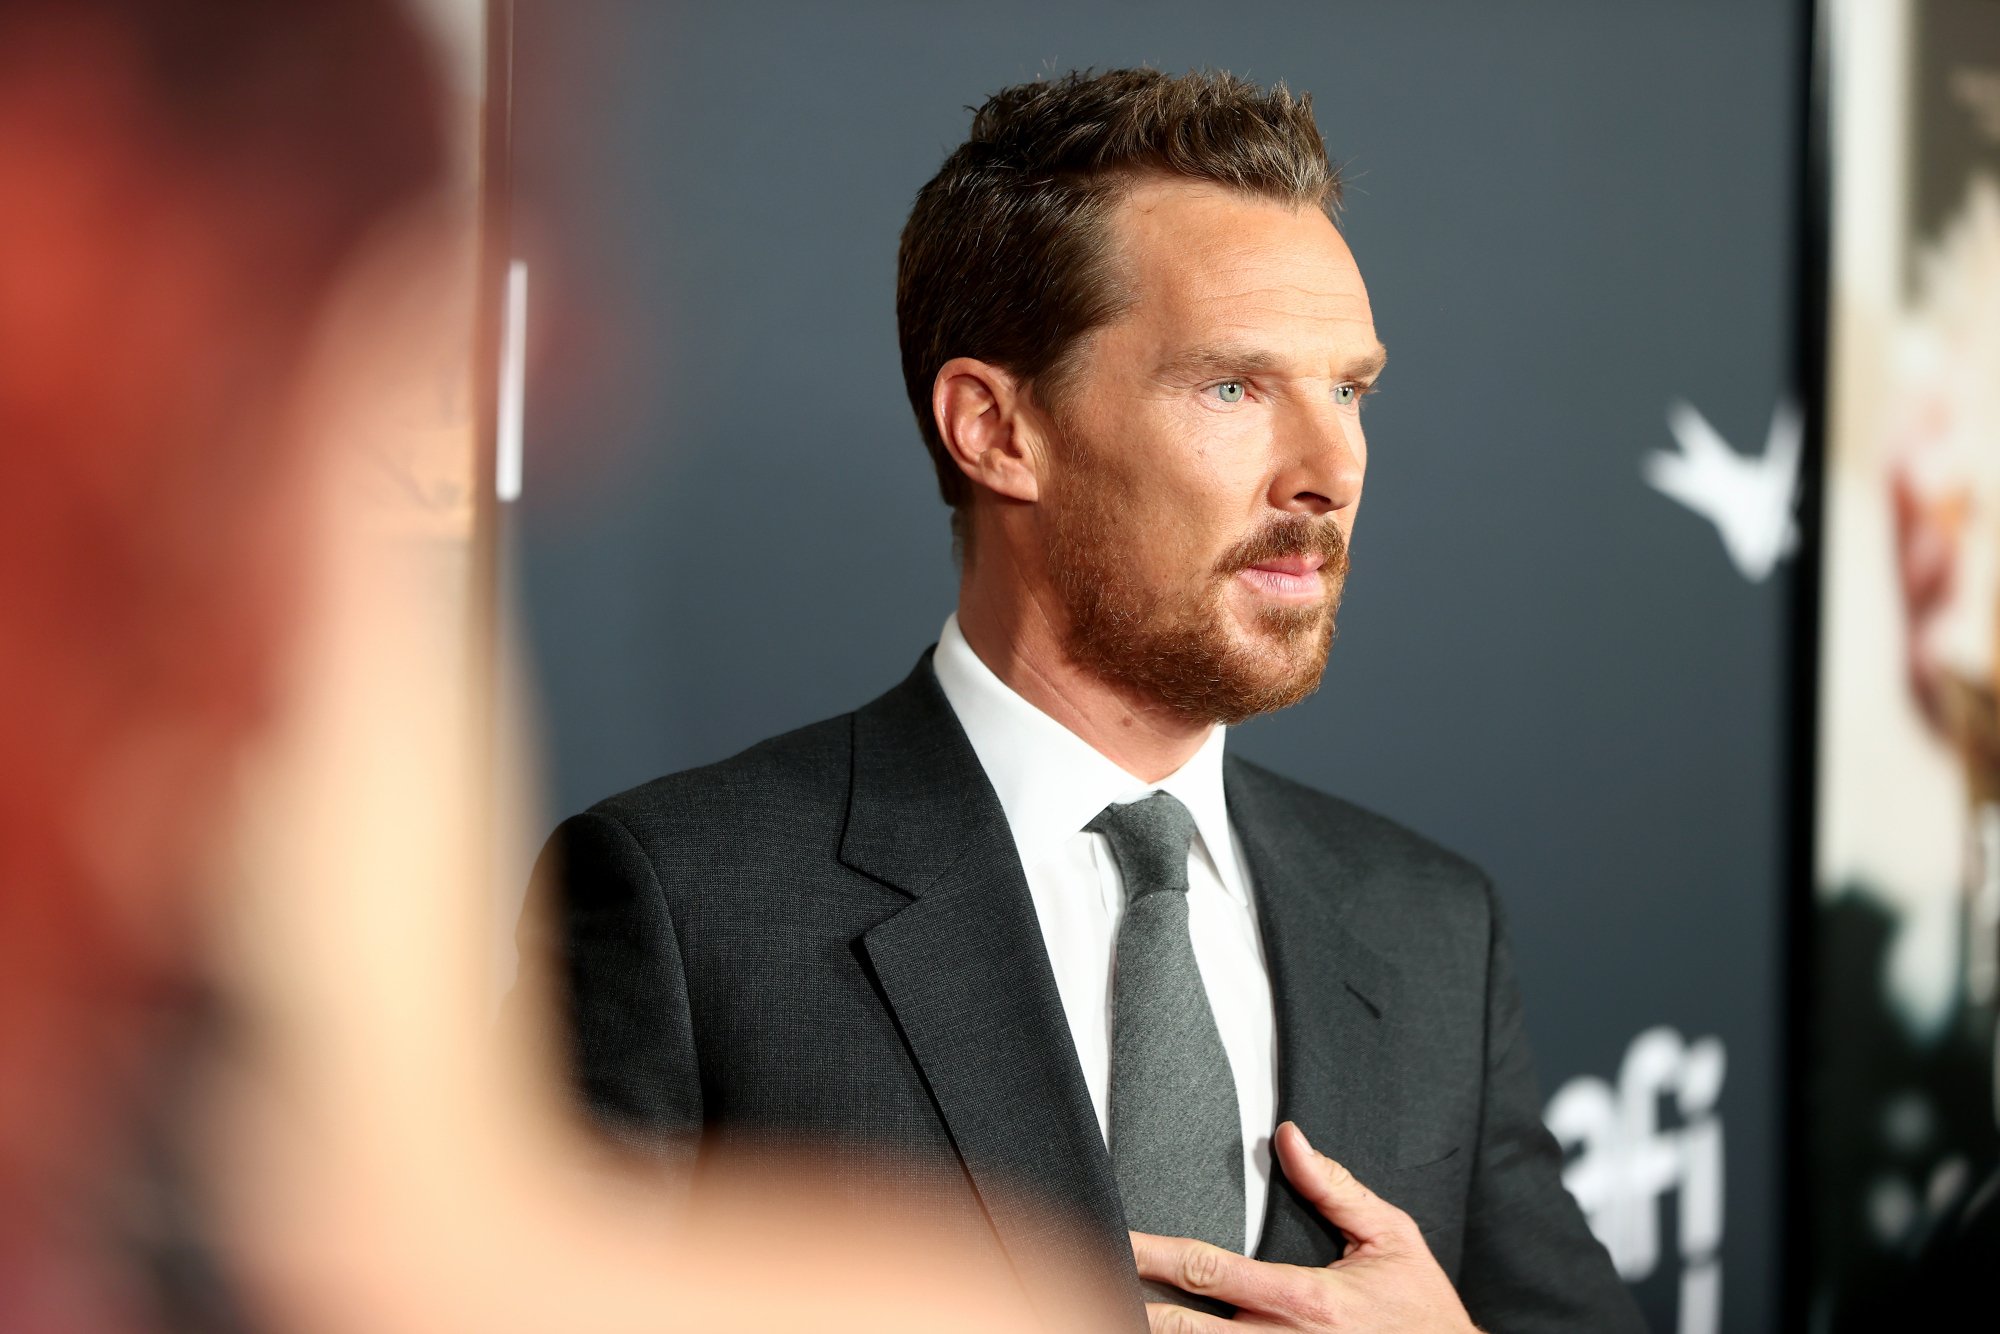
(1176, 646)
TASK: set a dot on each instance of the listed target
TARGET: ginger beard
(1181, 646)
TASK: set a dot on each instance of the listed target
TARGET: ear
(978, 408)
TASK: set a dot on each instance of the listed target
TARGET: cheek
(1228, 478)
(1179, 529)
(1174, 484)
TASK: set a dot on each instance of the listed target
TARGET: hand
(1387, 1283)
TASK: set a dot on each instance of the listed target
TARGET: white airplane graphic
(1748, 497)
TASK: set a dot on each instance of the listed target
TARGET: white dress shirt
(1051, 783)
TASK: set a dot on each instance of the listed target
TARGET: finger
(1364, 1217)
(1210, 1271)
(1162, 1318)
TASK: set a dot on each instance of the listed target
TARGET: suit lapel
(1331, 992)
(965, 970)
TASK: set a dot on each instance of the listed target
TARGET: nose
(1321, 457)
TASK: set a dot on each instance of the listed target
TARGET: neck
(1015, 624)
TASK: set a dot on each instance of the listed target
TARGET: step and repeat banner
(1564, 650)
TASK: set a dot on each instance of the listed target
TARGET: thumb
(1364, 1217)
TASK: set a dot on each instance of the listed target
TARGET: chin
(1292, 635)
(1281, 658)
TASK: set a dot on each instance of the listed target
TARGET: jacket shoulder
(799, 778)
(1383, 851)
(1420, 906)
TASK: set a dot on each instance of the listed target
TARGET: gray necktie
(1176, 1137)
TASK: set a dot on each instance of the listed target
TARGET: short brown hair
(1005, 256)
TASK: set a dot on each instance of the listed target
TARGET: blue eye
(1229, 391)
(1346, 395)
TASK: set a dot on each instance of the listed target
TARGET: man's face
(1209, 453)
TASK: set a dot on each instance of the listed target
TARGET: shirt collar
(1051, 782)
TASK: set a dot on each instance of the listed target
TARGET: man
(1020, 916)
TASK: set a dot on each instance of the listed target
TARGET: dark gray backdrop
(1569, 214)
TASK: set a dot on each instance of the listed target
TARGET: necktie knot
(1150, 838)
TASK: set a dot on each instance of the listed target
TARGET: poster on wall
(1903, 1106)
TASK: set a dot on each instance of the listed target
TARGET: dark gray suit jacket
(830, 935)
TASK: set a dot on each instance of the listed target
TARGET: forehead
(1200, 256)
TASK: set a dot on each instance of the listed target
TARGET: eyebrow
(1222, 359)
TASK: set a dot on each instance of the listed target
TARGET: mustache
(1292, 536)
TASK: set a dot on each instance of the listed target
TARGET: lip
(1289, 579)
(1295, 566)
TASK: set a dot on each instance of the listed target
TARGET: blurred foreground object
(181, 182)
(214, 216)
